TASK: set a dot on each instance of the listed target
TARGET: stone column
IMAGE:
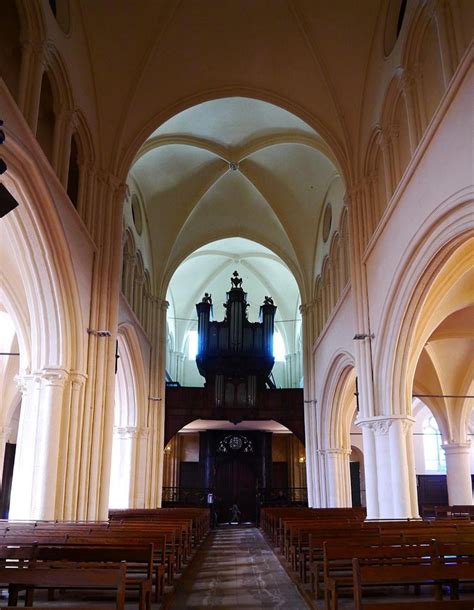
(35, 476)
(156, 417)
(72, 447)
(4, 434)
(389, 471)
(338, 478)
(139, 467)
(370, 471)
(311, 441)
(458, 469)
(121, 480)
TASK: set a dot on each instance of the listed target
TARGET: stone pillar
(139, 467)
(71, 445)
(458, 469)
(337, 478)
(370, 472)
(389, 471)
(4, 434)
(121, 480)
(35, 475)
(156, 414)
(311, 441)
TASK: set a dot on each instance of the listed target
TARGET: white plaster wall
(335, 195)
(339, 333)
(438, 177)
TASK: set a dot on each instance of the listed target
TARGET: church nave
(235, 568)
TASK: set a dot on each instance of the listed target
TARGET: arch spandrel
(412, 310)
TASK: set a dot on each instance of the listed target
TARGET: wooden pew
(338, 558)
(434, 573)
(138, 561)
(59, 575)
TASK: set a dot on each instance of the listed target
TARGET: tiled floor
(236, 569)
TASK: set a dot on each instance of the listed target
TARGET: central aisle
(235, 568)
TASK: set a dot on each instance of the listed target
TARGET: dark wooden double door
(236, 483)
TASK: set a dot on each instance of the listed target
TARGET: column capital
(381, 424)
(77, 379)
(307, 307)
(143, 432)
(335, 451)
(53, 376)
(352, 194)
(453, 448)
(125, 432)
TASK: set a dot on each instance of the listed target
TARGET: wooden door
(236, 478)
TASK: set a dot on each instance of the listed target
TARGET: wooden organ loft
(235, 356)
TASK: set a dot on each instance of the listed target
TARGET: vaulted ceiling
(167, 55)
(234, 167)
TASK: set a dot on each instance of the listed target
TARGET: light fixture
(362, 336)
(302, 460)
(99, 333)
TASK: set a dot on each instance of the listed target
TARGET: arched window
(279, 351)
(192, 344)
(435, 460)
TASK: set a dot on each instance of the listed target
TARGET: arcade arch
(129, 446)
(209, 269)
(39, 291)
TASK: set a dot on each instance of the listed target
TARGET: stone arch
(345, 247)
(339, 156)
(423, 45)
(337, 416)
(411, 310)
(46, 267)
(335, 257)
(81, 156)
(127, 482)
(335, 400)
(374, 171)
(394, 123)
(223, 235)
(41, 287)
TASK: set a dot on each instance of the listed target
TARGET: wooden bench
(434, 573)
(138, 561)
(59, 575)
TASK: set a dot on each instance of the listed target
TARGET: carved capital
(353, 193)
(125, 432)
(54, 377)
(77, 380)
(306, 308)
(143, 432)
(456, 448)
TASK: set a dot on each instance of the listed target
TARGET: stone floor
(236, 569)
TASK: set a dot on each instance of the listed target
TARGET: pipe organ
(235, 356)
